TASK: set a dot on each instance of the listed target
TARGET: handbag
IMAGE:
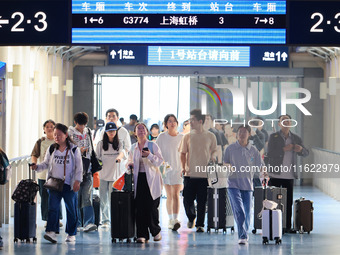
(95, 163)
(56, 184)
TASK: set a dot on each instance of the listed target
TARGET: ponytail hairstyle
(106, 142)
(64, 129)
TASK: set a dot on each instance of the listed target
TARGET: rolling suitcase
(278, 195)
(123, 212)
(303, 215)
(25, 215)
(122, 216)
(220, 214)
(271, 226)
(96, 209)
(25, 212)
(271, 221)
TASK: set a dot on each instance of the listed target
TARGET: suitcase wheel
(232, 230)
(264, 240)
(15, 240)
(113, 240)
(224, 230)
(278, 241)
(121, 240)
(28, 240)
(208, 230)
(34, 239)
(135, 239)
(254, 231)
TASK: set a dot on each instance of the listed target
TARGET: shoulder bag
(56, 184)
(95, 164)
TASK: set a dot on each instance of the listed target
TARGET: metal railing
(19, 172)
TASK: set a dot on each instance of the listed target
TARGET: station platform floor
(324, 239)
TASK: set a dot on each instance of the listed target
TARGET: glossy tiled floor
(323, 240)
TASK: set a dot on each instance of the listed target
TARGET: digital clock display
(179, 22)
(314, 23)
(35, 22)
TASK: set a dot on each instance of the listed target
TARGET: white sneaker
(171, 224)
(70, 239)
(105, 225)
(243, 241)
(177, 224)
(90, 227)
(51, 236)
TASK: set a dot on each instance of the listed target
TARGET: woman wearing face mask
(63, 161)
(169, 142)
(145, 158)
(38, 153)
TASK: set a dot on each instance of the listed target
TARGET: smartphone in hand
(145, 149)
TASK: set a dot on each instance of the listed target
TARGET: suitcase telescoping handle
(211, 164)
(265, 186)
(29, 170)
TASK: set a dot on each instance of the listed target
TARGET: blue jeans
(241, 201)
(70, 199)
(44, 201)
(105, 190)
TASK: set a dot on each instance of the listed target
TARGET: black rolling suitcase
(122, 216)
(220, 214)
(303, 215)
(278, 195)
(25, 210)
(123, 213)
(96, 209)
(25, 215)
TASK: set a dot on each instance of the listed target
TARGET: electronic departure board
(191, 22)
(170, 22)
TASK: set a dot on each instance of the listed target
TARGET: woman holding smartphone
(145, 159)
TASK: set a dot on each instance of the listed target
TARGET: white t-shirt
(58, 166)
(110, 171)
(169, 146)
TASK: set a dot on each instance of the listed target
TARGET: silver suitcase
(271, 226)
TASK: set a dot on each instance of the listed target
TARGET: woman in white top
(110, 152)
(169, 142)
(145, 158)
(62, 157)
